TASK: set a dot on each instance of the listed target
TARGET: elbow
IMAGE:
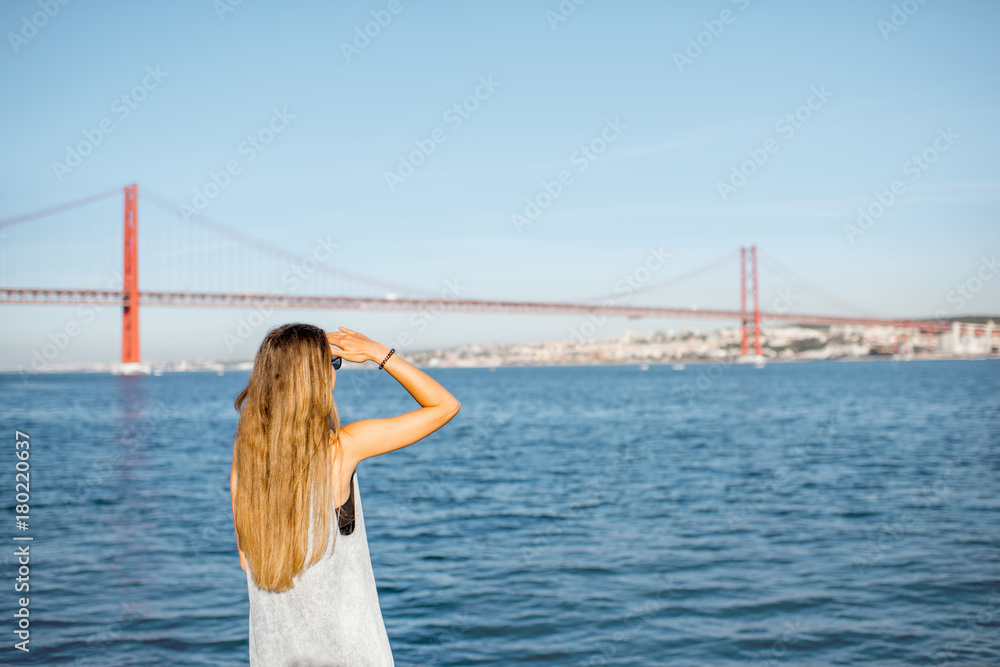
(453, 409)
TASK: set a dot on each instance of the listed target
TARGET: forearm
(425, 389)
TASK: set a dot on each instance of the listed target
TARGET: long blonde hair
(287, 439)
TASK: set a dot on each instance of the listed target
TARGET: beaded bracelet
(386, 358)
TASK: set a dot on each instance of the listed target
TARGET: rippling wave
(799, 514)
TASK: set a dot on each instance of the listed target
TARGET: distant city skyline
(526, 151)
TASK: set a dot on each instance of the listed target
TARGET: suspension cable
(56, 209)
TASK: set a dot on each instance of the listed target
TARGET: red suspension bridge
(220, 237)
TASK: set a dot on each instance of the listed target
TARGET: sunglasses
(337, 361)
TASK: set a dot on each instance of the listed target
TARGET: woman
(294, 491)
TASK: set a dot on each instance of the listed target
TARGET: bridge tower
(744, 320)
(130, 286)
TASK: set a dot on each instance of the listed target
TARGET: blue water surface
(800, 514)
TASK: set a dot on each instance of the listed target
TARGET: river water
(799, 514)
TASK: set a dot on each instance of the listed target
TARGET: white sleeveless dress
(331, 617)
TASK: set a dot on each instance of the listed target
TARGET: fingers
(348, 342)
(343, 340)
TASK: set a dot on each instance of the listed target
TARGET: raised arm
(370, 437)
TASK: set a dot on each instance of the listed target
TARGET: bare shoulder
(343, 469)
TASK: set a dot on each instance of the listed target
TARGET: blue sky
(878, 97)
